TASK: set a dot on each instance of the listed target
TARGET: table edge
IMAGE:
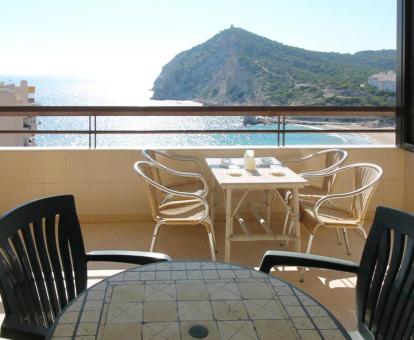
(50, 332)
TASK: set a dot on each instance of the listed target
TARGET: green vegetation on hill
(237, 67)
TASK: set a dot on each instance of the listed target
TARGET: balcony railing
(279, 115)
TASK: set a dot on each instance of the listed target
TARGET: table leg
(269, 204)
(229, 225)
(296, 219)
(213, 199)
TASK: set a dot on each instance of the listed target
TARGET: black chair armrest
(127, 256)
(285, 258)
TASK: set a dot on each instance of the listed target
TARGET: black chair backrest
(385, 286)
(42, 263)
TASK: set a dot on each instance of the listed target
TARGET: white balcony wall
(107, 189)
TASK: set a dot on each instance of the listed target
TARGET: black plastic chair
(43, 264)
(385, 276)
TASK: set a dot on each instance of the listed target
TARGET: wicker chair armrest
(163, 188)
(203, 188)
(307, 157)
(194, 175)
(181, 193)
(344, 195)
(296, 160)
(329, 198)
(170, 191)
(321, 172)
(190, 195)
(273, 258)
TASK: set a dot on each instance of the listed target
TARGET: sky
(135, 38)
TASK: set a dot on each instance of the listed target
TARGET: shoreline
(375, 138)
(376, 124)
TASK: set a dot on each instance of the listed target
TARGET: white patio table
(269, 177)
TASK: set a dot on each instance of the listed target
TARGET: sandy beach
(374, 138)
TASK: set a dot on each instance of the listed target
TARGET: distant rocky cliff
(237, 67)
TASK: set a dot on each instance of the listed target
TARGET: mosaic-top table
(209, 300)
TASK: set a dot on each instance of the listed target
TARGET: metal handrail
(196, 110)
(228, 131)
(280, 112)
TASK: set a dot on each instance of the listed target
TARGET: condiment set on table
(250, 165)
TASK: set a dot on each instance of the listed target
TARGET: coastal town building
(385, 81)
(13, 95)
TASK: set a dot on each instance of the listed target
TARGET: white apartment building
(12, 95)
(385, 81)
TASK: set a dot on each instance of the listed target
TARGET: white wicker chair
(182, 208)
(334, 158)
(324, 213)
(182, 180)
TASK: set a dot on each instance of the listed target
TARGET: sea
(71, 91)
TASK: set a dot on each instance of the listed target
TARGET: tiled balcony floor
(335, 290)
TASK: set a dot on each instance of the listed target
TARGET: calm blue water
(69, 91)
